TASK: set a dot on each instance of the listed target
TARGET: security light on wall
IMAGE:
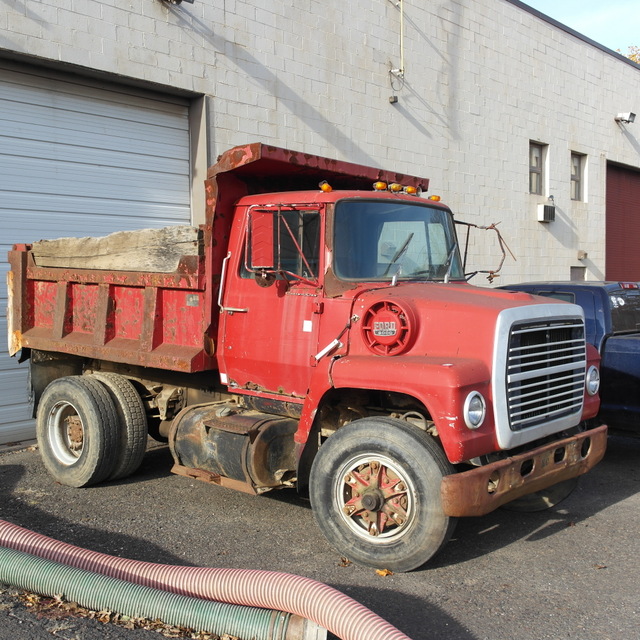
(627, 118)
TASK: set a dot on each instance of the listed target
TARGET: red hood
(433, 319)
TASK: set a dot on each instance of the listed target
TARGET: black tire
(545, 499)
(397, 521)
(77, 431)
(133, 423)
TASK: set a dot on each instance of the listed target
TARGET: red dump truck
(316, 332)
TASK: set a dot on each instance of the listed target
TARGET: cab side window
(298, 240)
(296, 245)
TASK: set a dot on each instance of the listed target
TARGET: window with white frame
(577, 175)
(537, 156)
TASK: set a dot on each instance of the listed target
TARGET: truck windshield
(625, 310)
(377, 240)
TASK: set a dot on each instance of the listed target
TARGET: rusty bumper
(483, 489)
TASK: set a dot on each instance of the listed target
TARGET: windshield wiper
(449, 263)
(399, 253)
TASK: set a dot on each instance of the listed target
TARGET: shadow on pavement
(616, 478)
(19, 505)
(24, 488)
(205, 524)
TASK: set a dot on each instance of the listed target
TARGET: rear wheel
(78, 431)
(133, 423)
(375, 493)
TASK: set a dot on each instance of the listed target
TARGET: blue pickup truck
(612, 323)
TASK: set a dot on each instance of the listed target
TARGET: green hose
(98, 592)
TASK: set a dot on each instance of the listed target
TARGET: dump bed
(135, 297)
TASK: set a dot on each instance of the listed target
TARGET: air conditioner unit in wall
(546, 213)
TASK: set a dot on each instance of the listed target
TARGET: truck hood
(440, 320)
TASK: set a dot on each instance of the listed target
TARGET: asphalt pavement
(569, 572)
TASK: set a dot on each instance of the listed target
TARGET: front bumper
(483, 489)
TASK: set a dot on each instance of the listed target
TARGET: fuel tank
(230, 446)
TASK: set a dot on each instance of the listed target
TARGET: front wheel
(375, 493)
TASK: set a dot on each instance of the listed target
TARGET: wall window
(537, 153)
(578, 273)
(577, 175)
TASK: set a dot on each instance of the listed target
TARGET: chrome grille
(545, 371)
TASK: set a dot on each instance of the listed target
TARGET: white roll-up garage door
(81, 157)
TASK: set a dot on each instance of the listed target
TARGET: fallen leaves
(56, 608)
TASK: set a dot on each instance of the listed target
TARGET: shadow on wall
(284, 95)
(314, 119)
(565, 231)
(633, 141)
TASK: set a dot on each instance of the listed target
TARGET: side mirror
(261, 235)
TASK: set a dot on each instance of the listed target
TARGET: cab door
(271, 312)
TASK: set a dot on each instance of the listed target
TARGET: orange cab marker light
(325, 186)
(380, 186)
(395, 187)
(412, 191)
(435, 198)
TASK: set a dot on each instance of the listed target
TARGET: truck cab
(301, 263)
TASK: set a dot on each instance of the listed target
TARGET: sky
(612, 23)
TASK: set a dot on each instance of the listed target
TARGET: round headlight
(475, 410)
(593, 381)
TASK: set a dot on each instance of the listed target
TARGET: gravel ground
(570, 572)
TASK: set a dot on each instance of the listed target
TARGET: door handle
(221, 289)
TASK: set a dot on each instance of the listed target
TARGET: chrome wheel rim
(375, 498)
(65, 433)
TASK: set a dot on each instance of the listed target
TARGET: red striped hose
(324, 605)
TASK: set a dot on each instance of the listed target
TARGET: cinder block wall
(481, 80)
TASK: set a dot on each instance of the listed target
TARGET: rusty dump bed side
(90, 305)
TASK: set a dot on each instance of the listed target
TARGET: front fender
(440, 385)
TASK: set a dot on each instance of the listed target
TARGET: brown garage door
(623, 224)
